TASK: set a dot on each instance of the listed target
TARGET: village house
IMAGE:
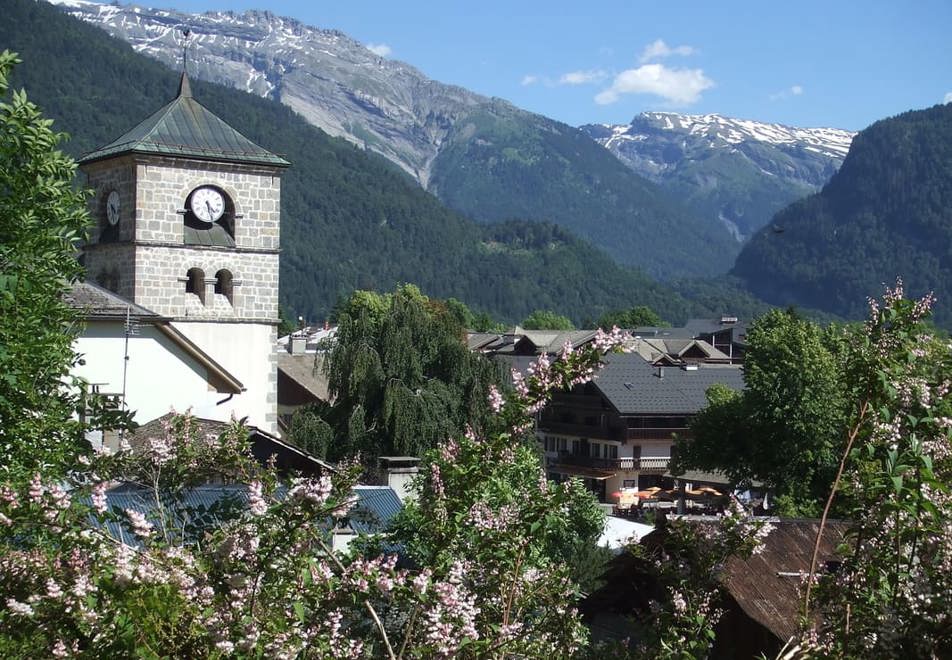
(617, 431)
(301, 377)
(762, 594)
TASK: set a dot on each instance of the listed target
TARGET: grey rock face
(330, 79)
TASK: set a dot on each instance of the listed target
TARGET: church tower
(186, 223)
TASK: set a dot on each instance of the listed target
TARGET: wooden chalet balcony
(647, 464)
(656, 434)
(581, 430)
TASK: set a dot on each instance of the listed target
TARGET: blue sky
(806, 63)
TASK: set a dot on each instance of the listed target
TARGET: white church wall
(161, 376)
(247, 351)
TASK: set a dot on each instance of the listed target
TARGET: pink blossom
(140, 526)
(258, 506)
(496, 399)
(17, 607)
(53, 590)
(99, 498)
(36, 489)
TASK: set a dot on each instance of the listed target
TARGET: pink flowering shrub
(486, 518)
(892, 595)
(258, 578)
(682, 562)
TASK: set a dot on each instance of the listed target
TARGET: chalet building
(762, 594)
(617, 431)
(301, 377)
(668, 352)
(517, 349)
(727, 334)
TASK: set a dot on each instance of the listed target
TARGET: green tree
(309, 431)
(635, 317)
(401, 376)
(542, 319)
(786, 426)
(42, 220)
(476, 321)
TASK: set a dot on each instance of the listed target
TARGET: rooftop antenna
(131, 329)
(186, 33)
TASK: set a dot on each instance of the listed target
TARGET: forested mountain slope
(734, 173)
(886, 213)
(483, 157)
(350, 219)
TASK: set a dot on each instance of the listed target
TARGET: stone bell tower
(187, 223)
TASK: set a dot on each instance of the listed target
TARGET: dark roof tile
(634, 386)
(95, 302)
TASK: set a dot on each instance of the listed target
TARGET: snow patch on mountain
(725, 131)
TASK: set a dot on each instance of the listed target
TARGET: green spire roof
(185, 127)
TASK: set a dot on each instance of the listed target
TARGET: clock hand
(211, 215)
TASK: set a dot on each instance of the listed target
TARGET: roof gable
(184, 127)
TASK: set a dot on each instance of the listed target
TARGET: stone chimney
(397, 472)
(297, 344)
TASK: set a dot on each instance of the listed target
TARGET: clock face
(207, 204)
(112, 208)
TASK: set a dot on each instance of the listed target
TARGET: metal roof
(213, 505)
(264, 446)
(376, 506)
(185, 127)
(306, 370)
(634, 386)
(766, 586)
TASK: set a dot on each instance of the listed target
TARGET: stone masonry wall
(164, 184)
(146, 259)
(162, 274)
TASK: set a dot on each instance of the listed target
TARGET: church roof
(185, 127)
(96, 303)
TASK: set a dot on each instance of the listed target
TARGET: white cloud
(947, 98)
(793, 90)
(676, 86)
(529, 80)
(582, 77)
(382, 50)
(658, 49)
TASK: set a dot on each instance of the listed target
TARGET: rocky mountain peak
(332, 80)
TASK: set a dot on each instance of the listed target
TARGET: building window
(611, 451)
(596, 450)
(195, 283)
(224, 285)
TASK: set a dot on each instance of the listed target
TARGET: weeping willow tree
(401, 376)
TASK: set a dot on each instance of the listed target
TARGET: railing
(580, 430)
(650, 463)
(656, 433)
